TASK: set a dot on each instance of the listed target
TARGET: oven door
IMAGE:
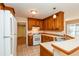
(36, 39)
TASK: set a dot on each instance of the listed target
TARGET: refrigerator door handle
(6, 36)
(11, 26)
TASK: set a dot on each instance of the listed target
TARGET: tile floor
(22, 50)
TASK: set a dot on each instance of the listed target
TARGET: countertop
(48, 33)
(48, 46)
(68, 46)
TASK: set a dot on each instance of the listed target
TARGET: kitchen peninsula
(63, 48)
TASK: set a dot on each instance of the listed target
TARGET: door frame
(26, 30)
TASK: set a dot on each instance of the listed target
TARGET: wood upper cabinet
(59, 22)
(34, 22)
(41, 24)
(45, 25)
(48, 23)
(56, 24)
(5, 7)
(31, 23)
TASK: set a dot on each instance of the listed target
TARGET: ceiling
(71, 10)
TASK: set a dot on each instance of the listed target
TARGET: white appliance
(36, 39)
(8, 33)
(36, 35)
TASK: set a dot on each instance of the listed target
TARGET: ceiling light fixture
(33, 12)
(54, 16)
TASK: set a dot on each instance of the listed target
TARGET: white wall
(21, 19)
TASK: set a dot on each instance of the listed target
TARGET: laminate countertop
(48, 34)
(68, 46)
(47, 46)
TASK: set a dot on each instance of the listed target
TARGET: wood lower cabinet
(30, 40)
(44, 51)
(46, 38)
(43, 39)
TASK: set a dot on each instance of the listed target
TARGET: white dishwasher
(36, 39)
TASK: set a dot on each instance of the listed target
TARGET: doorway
(21, 34)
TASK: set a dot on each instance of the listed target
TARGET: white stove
(36, 39)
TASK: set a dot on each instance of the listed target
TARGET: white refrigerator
(8, 33)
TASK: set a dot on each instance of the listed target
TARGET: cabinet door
(43, 38)
(34, 22)
(51, 23)
(41, 25)
(46, 24)
(60, 22)
(30, 40)
(37, 23)
(46, 38)
(31, 23)
(56, 24)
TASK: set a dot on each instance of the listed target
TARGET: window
(73, 30)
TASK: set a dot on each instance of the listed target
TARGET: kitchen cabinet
(31, 23)
(30, 40)
(59, 22)
(43, 39)
(48, 23)
(34, 22)
(56, 24)
(5, 7)
(45, 25)
(41, 24)
(46, 38)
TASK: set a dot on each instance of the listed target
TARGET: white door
(1, 33)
